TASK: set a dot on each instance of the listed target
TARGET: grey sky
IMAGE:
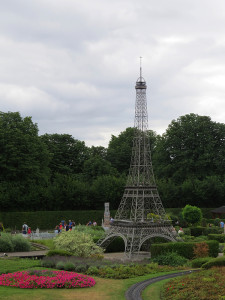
(72, 65)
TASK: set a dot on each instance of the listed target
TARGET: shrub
(215, 262)
(81, 268)
(187, 231)
(78, 243)
(216, 222)
(6, 243)
(20, 244)
(96, 232)
(204, 222)
(197, 231)
(217, 237)
(60, 265)
(183, 249)
(210, 230)
(192, 214)
(201, 250)
(58, 252)
(170, 259)
(69, 266)
(198, 262)
(47, 264)
(97, 256)
(93, 271)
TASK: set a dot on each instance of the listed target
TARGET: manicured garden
(74, 266)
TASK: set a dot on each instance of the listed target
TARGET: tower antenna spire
(141, 66)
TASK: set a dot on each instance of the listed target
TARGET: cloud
(72, 65)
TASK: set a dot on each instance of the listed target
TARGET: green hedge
(183, 249)
(216, 262)
(217, 237)
(199, 230)
(49, 219)
(198, 262)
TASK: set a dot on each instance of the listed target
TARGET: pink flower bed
(57, 279)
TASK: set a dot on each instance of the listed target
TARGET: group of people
(63, 226)
(89, 223)
(26, 229)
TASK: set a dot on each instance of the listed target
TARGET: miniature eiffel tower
(140, 215)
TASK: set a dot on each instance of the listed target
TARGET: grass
(9, 265)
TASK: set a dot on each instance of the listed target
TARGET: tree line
(59, 172)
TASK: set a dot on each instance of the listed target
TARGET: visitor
(60, 227)
(94, 223)
(24, 228)
(73, 225)
(63, 223)
(180, 231)
(221, 224)
(111, 220)
(174, 231)
(29, 231)
(57, 230)
(89, 223)
(70, 225)
(67, 227)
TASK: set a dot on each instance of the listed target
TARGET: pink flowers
(55, 279)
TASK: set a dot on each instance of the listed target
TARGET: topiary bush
(192, 214)
(215, 262)
(170, 259)
(198, 262)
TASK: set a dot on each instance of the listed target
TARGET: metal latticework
(140, 199)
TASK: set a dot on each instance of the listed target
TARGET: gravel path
(134, 292)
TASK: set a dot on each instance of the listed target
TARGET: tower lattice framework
(141, 197)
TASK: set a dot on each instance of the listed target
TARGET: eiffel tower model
(140, 215)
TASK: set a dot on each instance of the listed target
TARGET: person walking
(24, 228)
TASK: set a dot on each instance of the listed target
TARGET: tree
(97, 166)
(192, 214)
(120, 148)
(68, 154)
(23, 156)
(107, 188)
(193, 146)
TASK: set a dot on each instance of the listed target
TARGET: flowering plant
(39, 279)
